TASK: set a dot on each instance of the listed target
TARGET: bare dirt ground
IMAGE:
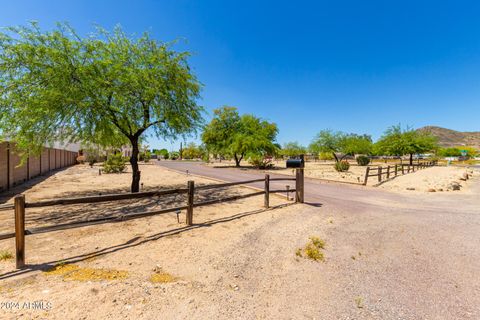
(407, 258)
(435, 179)
(438, 178)
(319, 170)
(82, 180)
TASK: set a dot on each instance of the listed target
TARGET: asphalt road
(321, 192)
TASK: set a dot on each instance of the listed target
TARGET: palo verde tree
(398, 142)
(107, 89)
(239, 136)
(341, 144)
(292, 149)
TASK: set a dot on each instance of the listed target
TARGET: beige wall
(12, 173)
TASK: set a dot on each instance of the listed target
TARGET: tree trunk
(237, 160)
(335, 156)
(134, 162)
(411, 158)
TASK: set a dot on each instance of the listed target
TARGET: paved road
(320, 192)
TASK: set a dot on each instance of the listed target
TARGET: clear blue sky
(356, 66)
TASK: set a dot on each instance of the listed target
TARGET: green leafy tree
(449, 152)
(192, 151)
(230, 134)
(469, 152)
(292, 149)
(398, 142)
(341, 144)
(108, 88)
(162, 153)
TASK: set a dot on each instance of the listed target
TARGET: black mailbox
(296, 163)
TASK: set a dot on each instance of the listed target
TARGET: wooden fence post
(191, 191)
(388, 172)
(19, 204)
(367, 172)
(299, 192)
(403, 168)
(379, 174)
(396, 170)
(267, 191)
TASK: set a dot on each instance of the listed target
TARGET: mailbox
(296, 162)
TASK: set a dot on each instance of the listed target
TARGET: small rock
(431, 190)
(410, 189)
(455, 186)
(440, 189)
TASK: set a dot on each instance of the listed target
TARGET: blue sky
(355, 66)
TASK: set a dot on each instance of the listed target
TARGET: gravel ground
(410, 258)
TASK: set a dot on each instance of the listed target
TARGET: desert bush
(261, 162)
(325, 156)
(115, 163)
(174, 155)
(363, 160)
(91, 159)
(312, 249)
(145, 156)
(342, 166)
(5, 255)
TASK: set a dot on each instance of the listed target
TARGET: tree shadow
(61, 214)
(134, 242)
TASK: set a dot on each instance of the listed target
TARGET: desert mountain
(452, 138)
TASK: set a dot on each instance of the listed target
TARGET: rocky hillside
(452, 138)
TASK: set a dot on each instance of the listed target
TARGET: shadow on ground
(54, 215)
(134, 242)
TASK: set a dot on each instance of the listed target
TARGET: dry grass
(73, 272)
(312, 250)
(5, 255)
(162, 277)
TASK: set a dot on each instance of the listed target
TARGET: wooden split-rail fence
(20, 205)
(385, 173)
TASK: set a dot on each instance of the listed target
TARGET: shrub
(261, 162)
(174, 155)
(342, 166)
(312, 249)
(162, 153)
(5, 255)
(115, 164)
(91, 159)
(363, 160)
(325, 156)
(145, 156)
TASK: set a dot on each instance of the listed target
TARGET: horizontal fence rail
(5, 207)
(20, 205)
(395, 170)
(104, 198)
